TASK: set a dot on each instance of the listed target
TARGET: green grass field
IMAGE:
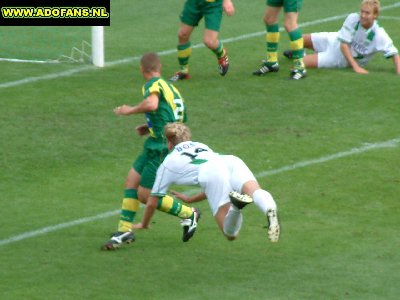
(327, 148)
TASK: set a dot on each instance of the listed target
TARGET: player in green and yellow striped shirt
(162, 104)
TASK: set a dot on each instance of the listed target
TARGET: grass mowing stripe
(353, 151)
(166, 52)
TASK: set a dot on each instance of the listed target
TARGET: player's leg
(130, 206)
(184, 52)
(168, 204)
(272, 38)
(229, 220)
(296, 45)
(131, 202)
(266, 203)
(212, 19)
(215, 182)
(243, 180)
(190, 17)
(212, 41)
(311, 60)
(326, 48)
(308, 43)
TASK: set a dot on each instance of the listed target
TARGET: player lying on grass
(225, 179)
(353, 45)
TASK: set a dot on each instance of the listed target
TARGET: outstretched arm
(189, 199)
(396, 61)
(151, 206)
(345, 48)
(148, 104)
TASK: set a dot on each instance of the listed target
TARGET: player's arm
(147, 105)
(396, 61)
(345, 48)
(151, 206)
(189, 199)
(228, 7)
(160, 187)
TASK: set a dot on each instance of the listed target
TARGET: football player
(353, 45)
(226, 181)
(162, 104)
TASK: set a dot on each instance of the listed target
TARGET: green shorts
(288, 5)
(194, 10)
(147, 163)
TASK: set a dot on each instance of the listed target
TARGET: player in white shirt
(226, 181)
(353, 45)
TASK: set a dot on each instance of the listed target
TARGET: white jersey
(193, 163)
(365, 43)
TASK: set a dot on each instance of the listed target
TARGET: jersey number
(178, 111)
(195, 160)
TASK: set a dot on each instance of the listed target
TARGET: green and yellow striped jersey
(170, 109)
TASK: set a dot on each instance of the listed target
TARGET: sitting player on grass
(353, 45)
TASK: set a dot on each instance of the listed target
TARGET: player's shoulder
(380, 34)
(380, 30)
(351, 22)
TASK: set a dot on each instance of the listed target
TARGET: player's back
(186, 159)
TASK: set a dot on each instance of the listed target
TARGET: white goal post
(40, 39)
(98, 46)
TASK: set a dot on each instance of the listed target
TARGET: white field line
(389, 18)
(354, 151)
(30, 61)
(162, 53)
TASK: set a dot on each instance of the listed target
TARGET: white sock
(264, 200)
(233, 222)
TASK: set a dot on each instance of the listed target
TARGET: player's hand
(139, 226)
(181, 196)
(228, 7)
(360, 70)
(142, 129)
(122, 110)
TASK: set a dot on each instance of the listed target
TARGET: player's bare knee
(183, 36)
(270, 20)
(210, 43)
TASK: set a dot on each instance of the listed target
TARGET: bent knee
(183, 36)
(210, 42)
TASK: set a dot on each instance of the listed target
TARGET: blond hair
(150, 62)
(177, 133)
(375, 4)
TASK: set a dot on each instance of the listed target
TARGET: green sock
(130, 205)
(184, 53)
(272, 43)
(173, 207)
(219, 51)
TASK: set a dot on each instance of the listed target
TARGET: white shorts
(327, 46)
(219, 178)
